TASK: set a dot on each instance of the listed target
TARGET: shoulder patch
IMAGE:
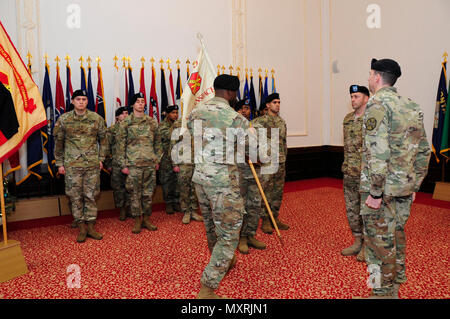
(371, 124)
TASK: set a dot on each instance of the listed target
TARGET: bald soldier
(394, 163)
(80, 149)
(217, 180)
(139, 153)
(168, 174)
(351, 168)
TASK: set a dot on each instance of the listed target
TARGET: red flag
(171, 87)
(142, 84)
(59, 96)
(99, 101)
(154, 111)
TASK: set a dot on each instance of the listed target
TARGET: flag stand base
(442, 191)
(12, 262)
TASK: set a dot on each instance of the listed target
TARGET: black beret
(79, 93)
(271, 97)
(354, 88)
(386, 65)
(135, 97)
(171, 108)
(121, 109)
(241, 103)
(227, 82)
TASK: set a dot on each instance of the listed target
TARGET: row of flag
(42, 142)
(441, 127)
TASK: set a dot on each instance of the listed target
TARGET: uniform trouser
(274, 191)
(140, 185)
(82, 185)
(118, 180)
(385, 240)
(252, 201)
(169, 184)
(222, 209)
(188, 197)
(353, 204)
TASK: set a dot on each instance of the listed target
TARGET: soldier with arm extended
(167, 176)
(351, 168)
(80, 149)
(394, 163)
(139, 154)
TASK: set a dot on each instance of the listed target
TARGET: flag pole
(5, 234)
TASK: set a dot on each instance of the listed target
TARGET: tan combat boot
(207, 293)
(186, 218)
(266, 226)
(353, 249)
(281, 225)
(197, 217)
(147, 224)
(123, 214)
(92, 233)
(137, 225)
(253, 242)
(81, 238)
(360, 257)
(242, 246)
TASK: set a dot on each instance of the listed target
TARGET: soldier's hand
(157, 167)
(373, 203)
(61, 170)
(101, 165)
(413, 197)
(176, 169)
(125, 170)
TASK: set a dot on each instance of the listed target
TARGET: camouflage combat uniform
(80, 145)
(351, 168)
(167, 177)
(188, 197)
(121, 198)
(139, 150)
(394, 163)
(217, 186)
(274, 183)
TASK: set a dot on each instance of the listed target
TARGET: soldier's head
(273, 102)
(80, 101)
(172, 112)
(384, 72)
(138, 102)
(243, 108)
(226, 86)
(359, 96)
(121, 113)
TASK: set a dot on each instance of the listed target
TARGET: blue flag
(83, 79)
(252, 99)
(439, 116)
(246, 93)
(49, 143)
(69, 90)
(90, 92)
(130, 84)
(164, 98)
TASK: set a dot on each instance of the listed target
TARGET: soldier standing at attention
(117, 177)
(274, 182)
(351, 168)
(217, 180)
(167, 175)
(80, 149)
(139, 152)
(185, 170)
(394, 163)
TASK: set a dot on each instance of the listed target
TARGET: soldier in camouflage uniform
(185, 170)
(394, 163)
(167, 175)
(139, 154)
(250, 194)
(80, 149)
(118, 179)
(217, 180)
(351, 168)
(274, 183)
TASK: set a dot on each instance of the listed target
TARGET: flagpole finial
(162, 63)
(129, 65)
(273, 72)
(46, 59)
(231, 70)
(187, 61)
(115, 59)
(57, 59)
(251, 72)
(445, 55)
(266, 71)
(223, 69)
(143, 61)
(89, 60)
(178, 63)
(81, 59)
(67, 58)
(98, 60)
(259, 71)
(218, 69)
(168, 64)
(29, 57)
(124, 59)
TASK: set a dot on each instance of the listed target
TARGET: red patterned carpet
(168, 263)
